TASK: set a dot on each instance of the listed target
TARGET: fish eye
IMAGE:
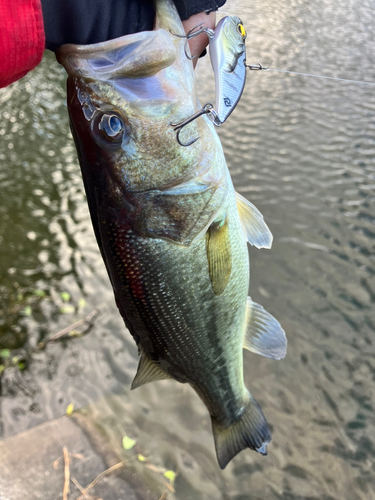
(112, 127)
(241, 30)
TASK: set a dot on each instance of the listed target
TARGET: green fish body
(172, 231)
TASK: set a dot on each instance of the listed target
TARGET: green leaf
(40, 293)
(65, 296)
(19, 297)
(128, 443)
(171, 475)
(141, 458)
(82, 303)
(68, 309)
(69, 409)
(27, 311)
(4, 353)
(2, 368)
(21, 365)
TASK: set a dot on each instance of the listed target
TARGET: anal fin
(256, 230)
(250, 431)
(219, 255)
(148, 371)
(264, 334)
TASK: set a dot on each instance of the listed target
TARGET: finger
(199, 43)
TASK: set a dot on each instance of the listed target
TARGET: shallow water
(303, 151)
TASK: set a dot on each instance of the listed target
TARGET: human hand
(84, 22)
(199, 43)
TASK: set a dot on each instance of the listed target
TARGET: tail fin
(250, 431)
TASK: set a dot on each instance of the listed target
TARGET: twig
(66, 489)
(65, 331)
(102, 474)
(154, 468)
(169, 486)
(84, 495)
(74, 480)
(56, 462)
(164, 496)
(75, 455)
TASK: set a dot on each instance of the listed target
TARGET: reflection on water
(303, 151)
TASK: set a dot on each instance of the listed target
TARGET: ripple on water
(303, 150)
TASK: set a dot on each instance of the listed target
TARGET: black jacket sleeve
(94, 21)
(187, 8)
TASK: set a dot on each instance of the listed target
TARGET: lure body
(228, 55)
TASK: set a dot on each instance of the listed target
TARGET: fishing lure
(228, 61)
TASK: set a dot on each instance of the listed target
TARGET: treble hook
(207, 109)
(197, 30)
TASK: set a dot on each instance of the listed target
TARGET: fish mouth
(133, 56)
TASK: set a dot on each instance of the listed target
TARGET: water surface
(303, 151)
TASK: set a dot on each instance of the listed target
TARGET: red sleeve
(21, 38)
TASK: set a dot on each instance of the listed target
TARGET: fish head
(123, 96)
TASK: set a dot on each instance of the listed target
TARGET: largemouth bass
(172, 231)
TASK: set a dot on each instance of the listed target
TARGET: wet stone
(32, 464)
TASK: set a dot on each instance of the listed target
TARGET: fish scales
(171, 229)
(169, 333)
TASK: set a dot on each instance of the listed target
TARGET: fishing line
(260, 67)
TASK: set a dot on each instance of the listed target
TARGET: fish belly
(165, 295)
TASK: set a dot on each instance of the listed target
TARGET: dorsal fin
(219, 255)
(148, 371)
(256, 230)
(264, 334)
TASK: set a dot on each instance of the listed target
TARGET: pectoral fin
(148, 371)
(264, 334)
(219, 255)
(256, 230)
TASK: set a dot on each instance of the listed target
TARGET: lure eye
(112, 127)
(241, 30)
